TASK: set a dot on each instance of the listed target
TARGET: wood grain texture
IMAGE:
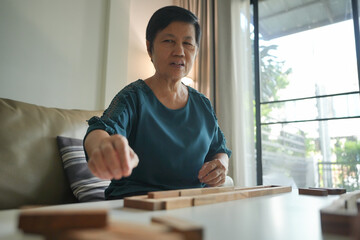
(96, 234)
(218, 197)
(332, 191)
(164, 194)
(197, 197)
(144, 203)
(94, 224)
(188, 192)
(313, 192)
(130, 227)
(239, 194)
(89, 234)
(44, 221)
(255, 187)
(189, 230)
(266, 191)
(179, 202)
(201, 191)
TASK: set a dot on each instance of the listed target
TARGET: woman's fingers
(122, 149)
(113, 158)
(110, 160)
(97, 165)
(213, 173)
(134, 159)
(206, 169)
(217, 181)
(214, 176)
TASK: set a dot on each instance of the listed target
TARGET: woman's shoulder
(127, 97)
(134, 87)
(132, 90)
(200, 98)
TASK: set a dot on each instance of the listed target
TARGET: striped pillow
(85, 186)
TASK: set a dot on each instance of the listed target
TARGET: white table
(282, 216)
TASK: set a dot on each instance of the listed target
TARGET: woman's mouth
(177, 64)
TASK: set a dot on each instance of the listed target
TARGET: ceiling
(279, 18)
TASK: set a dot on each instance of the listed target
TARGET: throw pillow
(85, 186)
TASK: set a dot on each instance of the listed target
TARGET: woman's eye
(189, 45)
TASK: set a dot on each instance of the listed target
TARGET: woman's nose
(178, 50)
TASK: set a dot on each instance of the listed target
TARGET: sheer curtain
(234, 87)
(230, 37)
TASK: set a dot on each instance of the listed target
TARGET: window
(307, 92)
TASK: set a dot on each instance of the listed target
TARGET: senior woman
(157, 133)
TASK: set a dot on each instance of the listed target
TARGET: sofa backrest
(31, 171)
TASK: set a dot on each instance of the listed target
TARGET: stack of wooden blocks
(94, 225)
(166, 200)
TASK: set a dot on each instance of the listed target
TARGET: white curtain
(233, 77)
(234, 87)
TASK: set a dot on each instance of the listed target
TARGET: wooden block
(42, 221)
(336, 223)
(188, 192)
(355, 227)
(179, 202)
(121, 230)
(340, 215)
(200, 191)
(266, 191)
(142, 202)
(189, 230)
(332, 191)
(256, 187)
(130, 227)
(96, 234)
(313, 192)
(145, 203)
(238, 194)
(140, 231)
(89, 234)
(217, 198)
(164, 194)
(200, 197)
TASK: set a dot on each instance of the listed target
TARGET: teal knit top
(172, 145)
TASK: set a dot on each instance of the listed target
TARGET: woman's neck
(171, 93)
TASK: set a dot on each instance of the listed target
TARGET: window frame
(258, 103)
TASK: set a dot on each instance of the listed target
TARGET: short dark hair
(166, 15)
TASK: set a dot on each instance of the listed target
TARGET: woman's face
(174, 51)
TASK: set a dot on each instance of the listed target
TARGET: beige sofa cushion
(31, 170)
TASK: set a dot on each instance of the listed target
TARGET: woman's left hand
(213, 173)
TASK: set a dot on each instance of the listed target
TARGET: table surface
(281, 216)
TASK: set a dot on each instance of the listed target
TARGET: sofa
(31, 167)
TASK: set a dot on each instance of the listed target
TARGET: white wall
(51, 52)
(72, 54)
(116, 62)
(139, 62)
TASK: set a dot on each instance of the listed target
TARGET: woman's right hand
(110, 157)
